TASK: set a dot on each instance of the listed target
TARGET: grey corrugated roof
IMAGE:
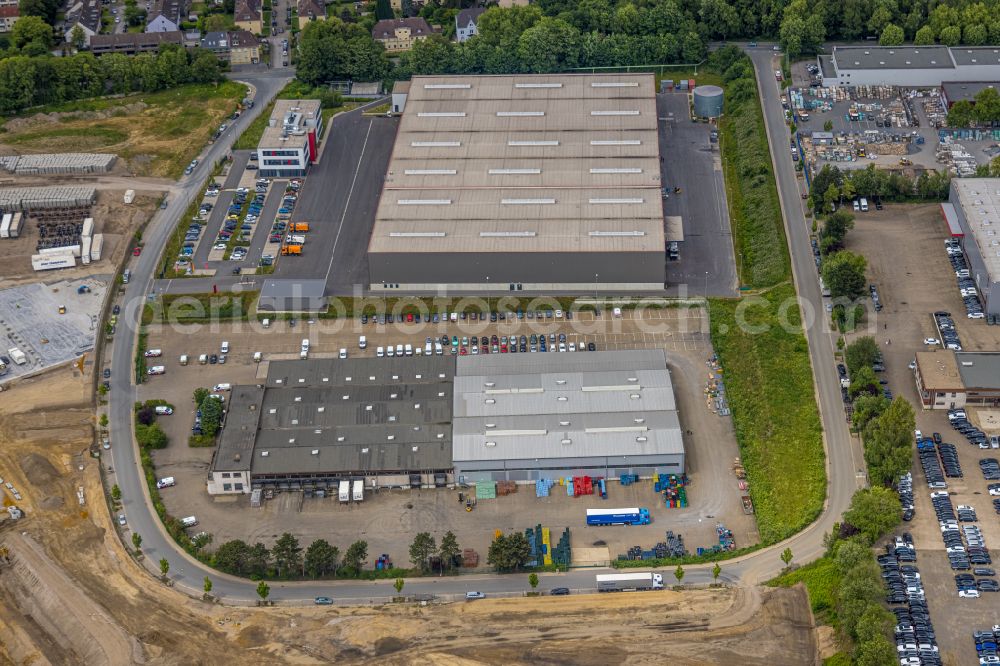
(236, 443)
(976, 55)
(357, 372)
(892, 57)
(565, 405)
(984, 371)
(979, 199)
(967, 91)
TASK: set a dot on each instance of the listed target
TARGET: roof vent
(273, 410)
(634, 396)
(364, 450)
(440, 394)
(302, 380)
(564, 423)
(347, 397)
(565, 441)
(491, 443)
(291, 440)
(562, 398)
(347, 379)
(392, 418)
(340, 438)
(298, 398)
(321, 409)
(639, 420)
(368, 408)
(326, 379)
(391, 437)
(560, 381)
(490, 401)
(418, 376)
(318, 431)
(415, 449)
(440, 435)
(633, 379)
(416, 406)
(295, 421)
(395, 377)
(236, 458)
(263, 454)
(491, 425)
(314, 452)
(393, 395)
(371, 378)
(641, 438)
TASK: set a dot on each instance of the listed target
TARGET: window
(239, 486)
(280, 153)
(227, 487)
(225, 475)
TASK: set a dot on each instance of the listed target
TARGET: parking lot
(906, 255)
(388, 519)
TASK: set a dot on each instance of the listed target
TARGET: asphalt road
(843, 454)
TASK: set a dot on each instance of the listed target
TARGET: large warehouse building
(528, 417)
(317, 422)
(974, 203)
(534, 182)
(909, 66)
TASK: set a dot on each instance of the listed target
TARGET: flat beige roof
(273, 133)
(939, 371)
(524, 163)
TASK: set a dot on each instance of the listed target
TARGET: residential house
(248, 17)
(244, 48)
(311, 10)
(465, 23)
(8, 17)
(131, 43)
(166, 16)
(398, 35)
(87, 15)
(217, 43)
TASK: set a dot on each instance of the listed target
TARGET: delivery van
(257, 357)
(166, 482)
(222, 387)
(203, 359)
(164, 410)
(190, 521)
(184, 359)
(266, 323)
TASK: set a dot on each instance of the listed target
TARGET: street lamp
(595, 286)
(706, 284)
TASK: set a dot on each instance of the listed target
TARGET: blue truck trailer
(633, 516)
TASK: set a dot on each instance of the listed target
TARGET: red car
(136, 252)
(409, 318)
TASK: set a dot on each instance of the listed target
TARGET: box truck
(345, 491)
(632, 516)
(359, 490)
(629, 582)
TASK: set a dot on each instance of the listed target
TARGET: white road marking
(357, 169)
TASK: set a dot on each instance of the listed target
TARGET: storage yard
(50, 164)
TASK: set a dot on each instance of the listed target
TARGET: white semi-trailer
(629, 582)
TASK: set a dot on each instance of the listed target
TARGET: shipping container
(65, 249)
(5, 225)
(85, 250)
(359, 490)
(47, 262)
(16, 224)
(96, 247)
(88, 227)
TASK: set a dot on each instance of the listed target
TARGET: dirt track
(122, 616)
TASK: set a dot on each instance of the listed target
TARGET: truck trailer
(358, 493)
(47, 262)
(629, 582)
(16, 222)
(633, 516)
(96, 246)
(5, 225)
(344, 491)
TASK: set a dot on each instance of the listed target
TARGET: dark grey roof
(339, 421)
(976, 55)
(470, 15)
(237, 440)
(826, 66)
(606, 361)
(956, 92)
(284, 295)
(892, 57)
(215, 40)
(979, 370)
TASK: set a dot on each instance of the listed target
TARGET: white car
(969, 594)
(931, 341)
(153, 353)
(219, 246)
(343, 353)
(954, 549)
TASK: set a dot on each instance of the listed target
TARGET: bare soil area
(69, 593)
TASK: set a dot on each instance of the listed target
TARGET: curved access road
(843, 454)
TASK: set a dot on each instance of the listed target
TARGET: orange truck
(291, 249)
(299, 227)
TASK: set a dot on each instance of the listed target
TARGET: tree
(263, 591)
(31, 30)
(355, 556)
(321, 558)
(421, 549)
(136, 541)
(874, 652)
(509, 552)
(205, 68)
(679, 574)
(104, 421)
(258, 559)
(862, 352)
(828, 126)
(863, 382)
(892, 35)
(383, 10)
(44, 9)
(924, 36)
(716, 570)
(207, 585)
(146, 415)
(844, 274)
(533, 580)
(888, 443)
(199, 395)
(134, 15)
(164, 567)
(849, 554)
(831, 196)
(835, 227)
(951, 35)
(287, 554)
(786, 556)
(211, 416)
(873, 512)
(150, 437)
(218, 23)
(987, 109)
(551, 45)
(867, 408)
(232, 557)
(449, 550)
(961, 114)
(398, 585)
(77, 37)
(116, 493)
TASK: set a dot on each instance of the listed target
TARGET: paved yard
(388, 519)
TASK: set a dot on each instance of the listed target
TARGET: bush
(150, 436)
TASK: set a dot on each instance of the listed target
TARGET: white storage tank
(708, 101)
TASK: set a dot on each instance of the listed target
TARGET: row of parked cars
(946, 328)
(966, 285)
(876, 301)
(486, 345)
(959, 420)
(963, 544)
(454, 317)
(905, 490)
(916, 642)
(928, 457)
(987, 642)
(990, 468)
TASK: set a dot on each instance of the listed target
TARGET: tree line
(985, 111)
(834, 187)
(27, 81)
